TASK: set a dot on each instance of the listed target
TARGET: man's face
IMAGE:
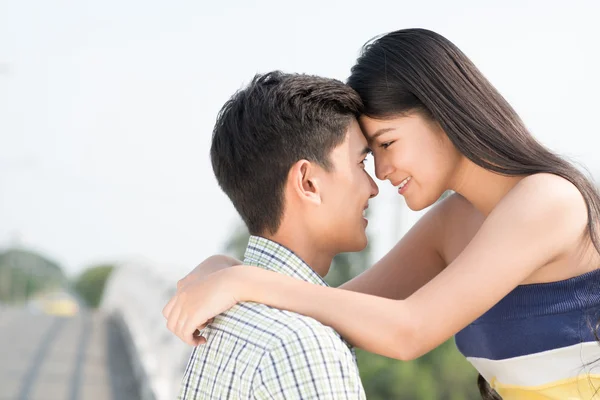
(345, 191)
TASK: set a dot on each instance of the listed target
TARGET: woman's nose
(382, 169)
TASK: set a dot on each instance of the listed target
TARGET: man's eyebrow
(366, 150)
(379, 133)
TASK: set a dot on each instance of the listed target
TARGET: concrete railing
(135, 295)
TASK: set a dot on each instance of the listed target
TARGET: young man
(289, 153)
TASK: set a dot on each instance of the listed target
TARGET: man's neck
(299, 242)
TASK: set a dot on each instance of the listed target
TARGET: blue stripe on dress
(535, 318)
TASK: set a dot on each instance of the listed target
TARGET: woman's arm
(418, 257)
(211, 264)
(537, 221)
(411, 263)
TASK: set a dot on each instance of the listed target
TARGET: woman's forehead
(356, 135)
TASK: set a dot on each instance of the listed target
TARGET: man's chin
(359, 244)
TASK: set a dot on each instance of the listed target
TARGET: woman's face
(414, 154)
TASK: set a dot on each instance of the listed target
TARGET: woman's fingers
(188, 312)
(167, 310)
(180, 329)
(190, 331)
(204, 325)
(199, 340)
(173, 317)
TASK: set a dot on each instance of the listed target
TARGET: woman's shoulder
(546, 205)
(550, 185)
(536, 188)
(550, 192)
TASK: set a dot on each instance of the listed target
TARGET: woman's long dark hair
(420, 70)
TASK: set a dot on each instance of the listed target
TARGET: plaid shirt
(254, 351)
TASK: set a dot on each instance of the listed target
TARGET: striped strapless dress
(538, 342)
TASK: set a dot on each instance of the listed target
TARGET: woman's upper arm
(412, 262)
(536, 222)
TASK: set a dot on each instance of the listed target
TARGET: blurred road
(49, 357)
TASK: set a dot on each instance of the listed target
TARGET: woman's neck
(481, 187)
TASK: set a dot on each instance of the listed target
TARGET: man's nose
(374, 188)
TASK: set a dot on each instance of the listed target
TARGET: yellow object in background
(57, 303)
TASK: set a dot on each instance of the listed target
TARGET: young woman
(508, 263)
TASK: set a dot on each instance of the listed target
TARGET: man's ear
(304, 181)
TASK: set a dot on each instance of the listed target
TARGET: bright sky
(106, 107)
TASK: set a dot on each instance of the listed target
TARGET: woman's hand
(207, 267)
(199, 300)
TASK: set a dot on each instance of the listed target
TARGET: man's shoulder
(271, 353)
(306, 359)
(274, 327)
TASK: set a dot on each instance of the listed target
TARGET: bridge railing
(135, 295)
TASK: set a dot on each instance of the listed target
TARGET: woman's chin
(416, 205)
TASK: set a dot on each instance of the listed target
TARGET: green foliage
(442, 374)
(90, 284)
(24, 274)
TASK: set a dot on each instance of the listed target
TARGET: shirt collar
(270, 255)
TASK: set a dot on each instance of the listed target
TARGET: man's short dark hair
(277, 120)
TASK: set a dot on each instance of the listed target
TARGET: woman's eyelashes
(385, 145)
(363, 161)
(366, 156)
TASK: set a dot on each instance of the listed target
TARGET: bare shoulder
(549, 182)
(548, 192)
(550, 202)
